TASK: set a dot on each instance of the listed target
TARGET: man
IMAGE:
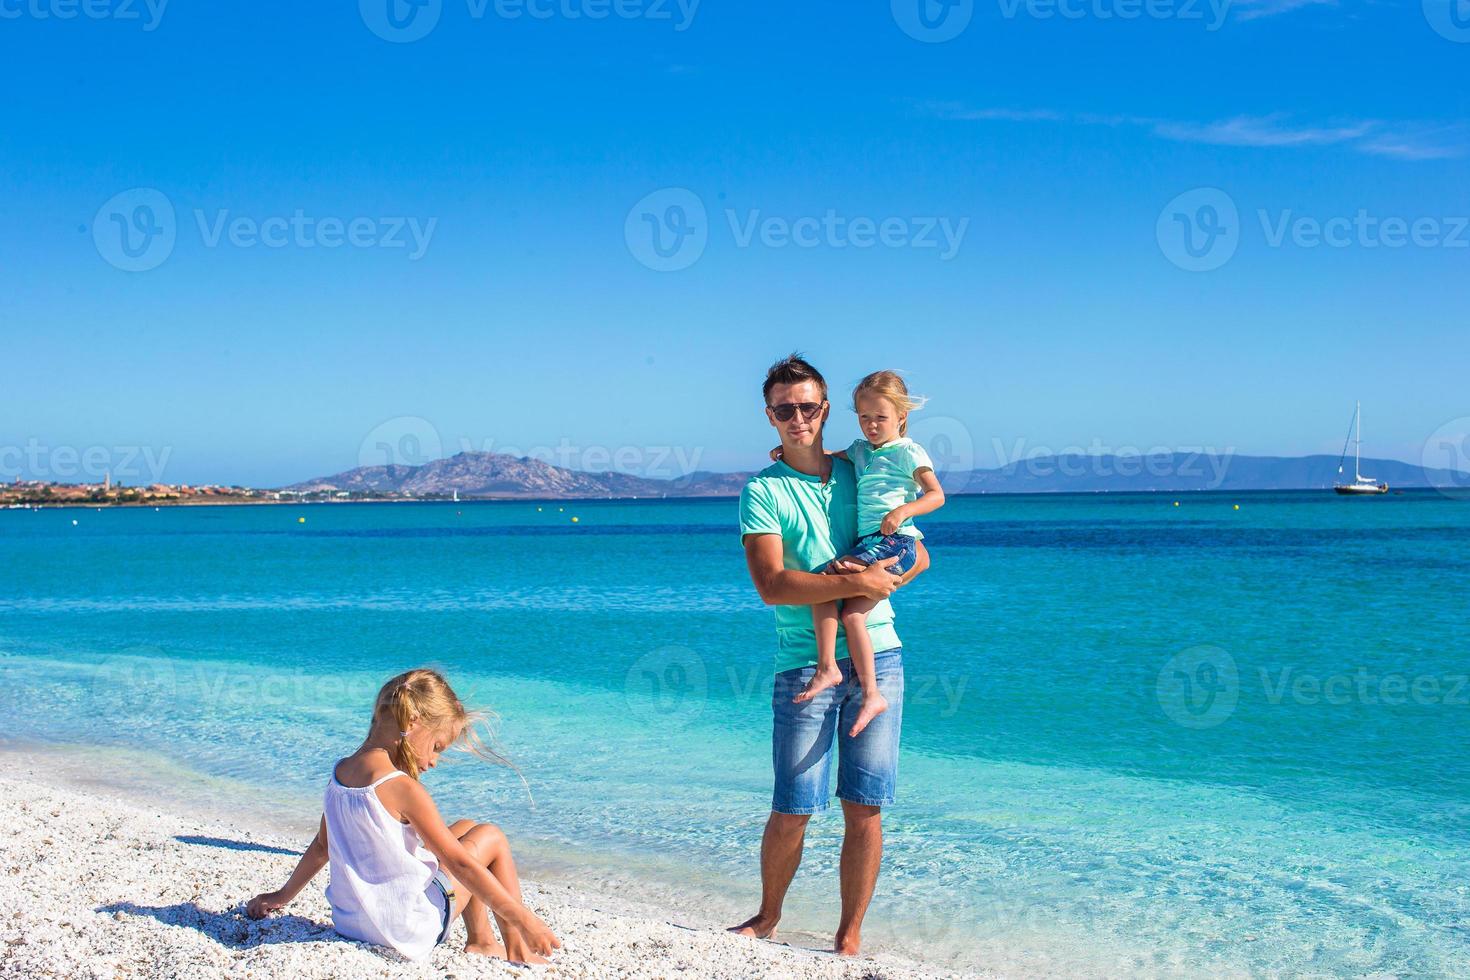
(795, 517)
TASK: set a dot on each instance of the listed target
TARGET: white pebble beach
(97, 885)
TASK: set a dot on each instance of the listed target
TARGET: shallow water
(1138, 737)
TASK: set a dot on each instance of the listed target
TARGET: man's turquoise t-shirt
(816, 522)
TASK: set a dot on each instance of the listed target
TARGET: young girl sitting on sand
(399, 875)
(895, 484)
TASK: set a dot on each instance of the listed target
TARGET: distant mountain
(1184, 472)
(497, 475)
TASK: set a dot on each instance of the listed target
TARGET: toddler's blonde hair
(889, 385)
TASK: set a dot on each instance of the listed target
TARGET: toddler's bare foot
(874, 704)
(824, 678)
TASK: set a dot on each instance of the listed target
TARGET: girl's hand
(538, 935)
(776, 454)
(264, 904)
(892, 521)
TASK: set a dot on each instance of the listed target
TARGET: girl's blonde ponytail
(401, 704)
(423, 696)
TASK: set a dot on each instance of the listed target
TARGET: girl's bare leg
(824, 620)
(487, 844)
(860, 649)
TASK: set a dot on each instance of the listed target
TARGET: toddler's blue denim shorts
(878, 547)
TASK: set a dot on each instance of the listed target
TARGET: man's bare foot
(756, 927)
(874, 704)
(491, 948)
(824, 678)
(850, 944)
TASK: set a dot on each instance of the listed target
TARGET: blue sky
(813, 155)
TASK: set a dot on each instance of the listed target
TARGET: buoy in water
(1176, 503)
(73, 523)
(300, 520)
(1237, 506)
(574, 520)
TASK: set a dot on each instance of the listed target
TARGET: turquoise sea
(1139, 738)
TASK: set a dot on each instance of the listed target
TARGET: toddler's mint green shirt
(816, 522)
(885, 480)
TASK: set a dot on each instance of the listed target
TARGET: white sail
(1361, 483)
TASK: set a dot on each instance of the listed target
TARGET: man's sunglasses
(808, 410)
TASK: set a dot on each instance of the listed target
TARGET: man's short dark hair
(790, 370)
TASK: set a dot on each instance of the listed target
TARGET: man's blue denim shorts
(879, 547)
(804, 736)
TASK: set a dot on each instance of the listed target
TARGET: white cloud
(1253, 9)
(1273, 130)
(1405, 141)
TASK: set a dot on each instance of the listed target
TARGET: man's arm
(781, 586)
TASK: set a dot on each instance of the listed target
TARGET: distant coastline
(495, 476)
(225, 501)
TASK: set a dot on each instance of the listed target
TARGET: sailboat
(1361, 484)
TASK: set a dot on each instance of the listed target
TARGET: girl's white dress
(380, 886)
